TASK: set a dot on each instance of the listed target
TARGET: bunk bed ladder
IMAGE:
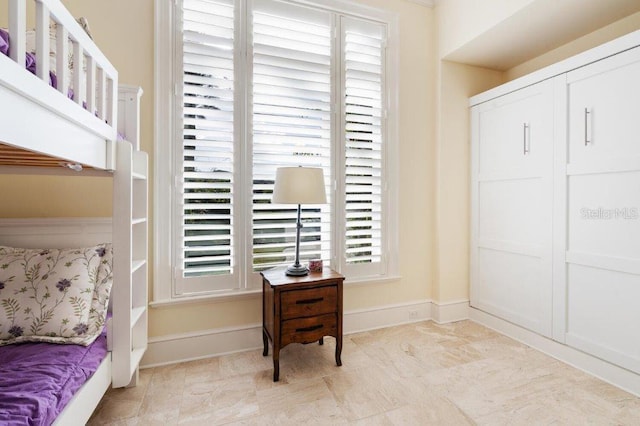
(130, 236)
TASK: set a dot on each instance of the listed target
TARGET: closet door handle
(587, 126)
(526, 138)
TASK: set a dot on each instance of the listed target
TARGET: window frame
(168, 68)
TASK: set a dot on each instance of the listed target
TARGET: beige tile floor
(417, 374)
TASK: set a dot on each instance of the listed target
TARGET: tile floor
(417, 374)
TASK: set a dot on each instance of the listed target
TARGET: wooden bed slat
(12, 156)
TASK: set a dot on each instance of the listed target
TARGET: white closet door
(602, 288)
(512, 197)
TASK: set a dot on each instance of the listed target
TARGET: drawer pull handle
(314, 327)
(309, 301)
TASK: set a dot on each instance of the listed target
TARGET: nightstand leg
(339, 351)
(276, 364)
(265, 342)
(321, 341)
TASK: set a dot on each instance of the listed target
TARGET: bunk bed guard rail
(93, 78)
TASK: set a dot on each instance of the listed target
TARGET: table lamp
(299, 185)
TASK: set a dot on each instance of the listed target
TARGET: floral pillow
(54, 295)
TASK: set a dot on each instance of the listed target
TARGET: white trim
(249, 293)
(223, 296)
(372, 280)
(162, 152)
(391, 151)
(453, 311)
(349, 7)
(603, 370)
(203, 344)
(215, 342)
(386, 316)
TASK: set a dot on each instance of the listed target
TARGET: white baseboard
(603, 370)
(450, 311)
(204, 344)
(191, 346)
(386, 316)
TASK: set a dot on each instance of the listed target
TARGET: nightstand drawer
(309, 302)
(307, 330)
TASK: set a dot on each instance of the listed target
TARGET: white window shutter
(291, 126)
(206, 168)
(363, 64)
(267, 84)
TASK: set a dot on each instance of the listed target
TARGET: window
(257, 85)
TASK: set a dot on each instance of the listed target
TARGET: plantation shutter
(291, 105)
(207, 163)
(363, 56)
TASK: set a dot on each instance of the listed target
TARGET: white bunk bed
(42, 129)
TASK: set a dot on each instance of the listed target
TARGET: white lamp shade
(299, 185)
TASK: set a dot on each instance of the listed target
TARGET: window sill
(208, 298)
(256, 293)
(371, 280)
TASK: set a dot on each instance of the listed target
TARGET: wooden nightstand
(300, 310)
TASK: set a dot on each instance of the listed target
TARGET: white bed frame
(41, 129)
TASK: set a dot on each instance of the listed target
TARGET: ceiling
(541, 26)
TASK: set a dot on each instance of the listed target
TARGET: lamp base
(297, 270)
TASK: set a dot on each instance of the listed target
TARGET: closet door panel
(508, 211)
(600, 320)
(511, 287)
(604, 107)
(603, 202)
(604, 214)
(512, 197)
(513, 132)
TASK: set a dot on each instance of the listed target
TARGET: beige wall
(617, 29)
(458, 22)
(461, 21)
(456, 83)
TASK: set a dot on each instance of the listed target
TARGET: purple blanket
(37, 380)
(29, 61)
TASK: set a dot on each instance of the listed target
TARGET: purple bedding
(30, 59)
(37, 380)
